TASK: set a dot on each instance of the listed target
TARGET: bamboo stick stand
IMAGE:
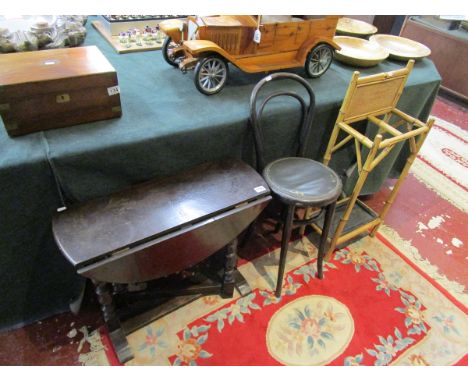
(373, 98)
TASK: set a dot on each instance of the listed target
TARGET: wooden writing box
(47, 89)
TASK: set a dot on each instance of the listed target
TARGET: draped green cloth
(167, 126)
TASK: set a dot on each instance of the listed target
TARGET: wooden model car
(252, 43)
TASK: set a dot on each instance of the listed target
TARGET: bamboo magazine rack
(373, 98)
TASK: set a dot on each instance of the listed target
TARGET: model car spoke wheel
(211, 75)
(319, 60)
(168, 52)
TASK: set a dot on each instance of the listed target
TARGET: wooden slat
(342, 143)
(408, 118)
(381, 156)
(356, 134)
(403, 137)
(358, 231)
(382, 124)
(358, 155)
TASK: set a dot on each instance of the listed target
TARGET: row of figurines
(147, 36)
(140, 17)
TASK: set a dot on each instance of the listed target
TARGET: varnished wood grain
(48, 89)
(52, 64)
(285, 41)
(155, 209)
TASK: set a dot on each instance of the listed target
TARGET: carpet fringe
(437, 183)
(96, 355)
(434, 179)
(405, 246)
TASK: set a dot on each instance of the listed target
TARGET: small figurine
(158, 35)
(129, 40)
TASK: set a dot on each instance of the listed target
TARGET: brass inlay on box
(62, 98)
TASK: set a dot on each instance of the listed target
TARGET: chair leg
(324, 238)
(284, 247)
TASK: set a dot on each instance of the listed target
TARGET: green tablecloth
(167, 126)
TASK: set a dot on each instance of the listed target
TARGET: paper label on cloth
(259, 189)
(113, 90)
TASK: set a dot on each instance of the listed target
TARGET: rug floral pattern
(371, 308)
(309, 330)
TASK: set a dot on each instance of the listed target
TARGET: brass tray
(351, 27)
(359, 52)
(401, 48)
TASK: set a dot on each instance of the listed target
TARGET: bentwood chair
(373, 99)
(295, 181)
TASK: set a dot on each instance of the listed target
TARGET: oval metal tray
(359, 52)
(352, 27)
(401, 48)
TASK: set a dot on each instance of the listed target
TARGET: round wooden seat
(302, 181)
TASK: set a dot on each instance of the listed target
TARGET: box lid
(87, 232)
(52, 64)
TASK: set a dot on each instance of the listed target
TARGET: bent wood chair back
(307, 111)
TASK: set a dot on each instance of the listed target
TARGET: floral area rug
(427, 221)
(372, 308)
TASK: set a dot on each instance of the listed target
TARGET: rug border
(445, 291)
(113, 360)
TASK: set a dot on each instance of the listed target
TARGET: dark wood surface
(56, 88)
(176, 251)
(448, 52)
(52, 64)
(151, 210)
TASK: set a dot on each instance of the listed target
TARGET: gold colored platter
(401, 48)
(359, 52)
(351, 27)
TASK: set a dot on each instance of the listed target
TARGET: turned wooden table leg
(230, 264)
(116, 334)
(104, 295)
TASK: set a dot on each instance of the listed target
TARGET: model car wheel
(167, 52)
(211, 74)
(319, 60)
